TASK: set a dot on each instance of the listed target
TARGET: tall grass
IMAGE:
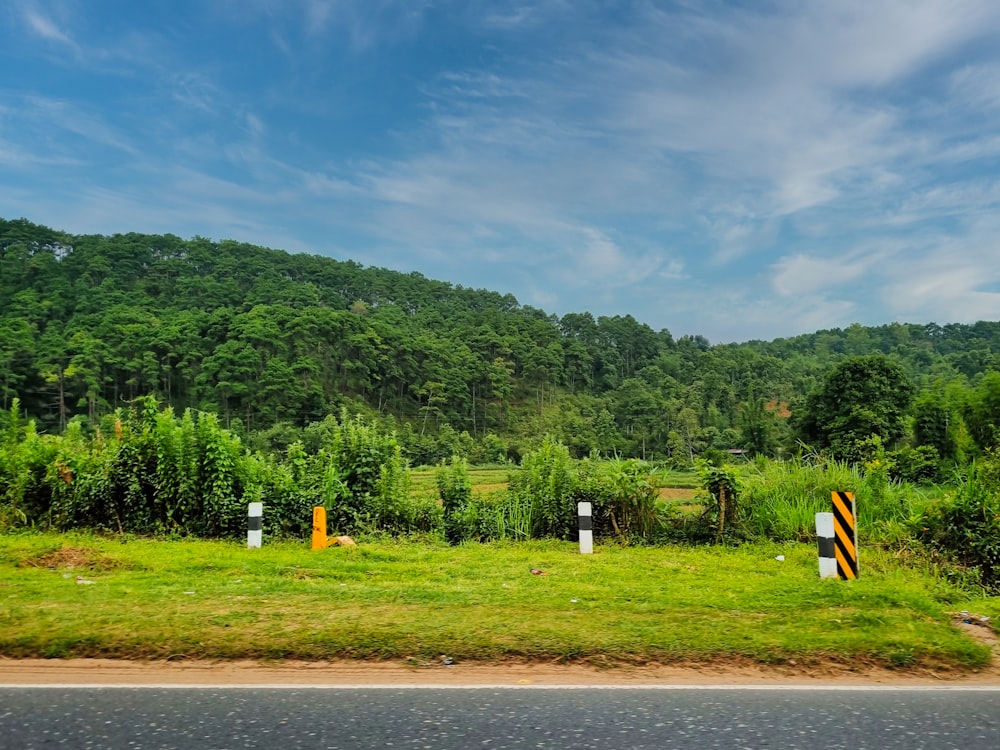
(780, 499)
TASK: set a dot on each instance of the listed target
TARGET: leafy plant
(455, 489)
(24, 458)
(723, 510)
(965, 526)
(372, 485)
(622, 497)
(546, 481)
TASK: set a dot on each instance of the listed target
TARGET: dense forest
(272, 342)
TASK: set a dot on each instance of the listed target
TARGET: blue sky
(737, 170)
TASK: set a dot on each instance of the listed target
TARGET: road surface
(460, 718)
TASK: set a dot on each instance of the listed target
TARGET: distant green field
(678, 479)
(88, 596)
(423, 482)
(486, 479)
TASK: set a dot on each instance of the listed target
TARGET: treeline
(273, 342)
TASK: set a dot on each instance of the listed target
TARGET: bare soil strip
(248, 673)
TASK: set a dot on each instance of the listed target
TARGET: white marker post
(586, 528)
(255, 525)
(827, 550)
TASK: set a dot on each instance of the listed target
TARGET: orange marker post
(319, 527)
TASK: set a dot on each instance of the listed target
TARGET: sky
(736, 170)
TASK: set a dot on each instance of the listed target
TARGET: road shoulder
(249, 673)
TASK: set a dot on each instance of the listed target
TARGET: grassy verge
(410, 601)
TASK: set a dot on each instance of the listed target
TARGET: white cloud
(977, 85)
(601, 260)
(45, 27)
(844, 148)
(949, 277)
(798, 275)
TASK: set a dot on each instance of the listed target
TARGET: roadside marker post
(827, 554)
(255, 525)
(845, 535)
(586, 521)
(319, 527)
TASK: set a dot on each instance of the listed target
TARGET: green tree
(861, 397)
(982, 413)
(16, 336)
(756, 426)
(934, 425)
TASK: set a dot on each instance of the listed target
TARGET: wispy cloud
(45, 27)
(366, 25)
(802, 274)
(799, 164)
(64, 115)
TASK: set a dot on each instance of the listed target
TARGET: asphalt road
(464, 718)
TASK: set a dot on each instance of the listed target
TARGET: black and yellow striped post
(845, 535)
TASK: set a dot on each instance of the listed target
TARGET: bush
(722, 514)
(545, 482)
(915, 465)
(622, 497)
(157, 473)
(360, 475)
(965, 526)
(25, 495)
(496, 516)
(455, 490)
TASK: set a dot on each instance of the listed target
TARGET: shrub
(497, 516)
(722, 513)
(366, 482)
(25, 496)
(915, 465)
(623, 497)
(545, 482)
(455, 489)
(965, 526)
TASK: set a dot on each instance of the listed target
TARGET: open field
(91, 596)
(671, 485)
(423, 482)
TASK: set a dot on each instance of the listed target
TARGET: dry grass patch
(486, 488)
(72, 558)
(677, 493)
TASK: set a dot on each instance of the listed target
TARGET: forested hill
(272, 340)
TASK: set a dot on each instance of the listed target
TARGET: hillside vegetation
(153, 385)
(271, 342)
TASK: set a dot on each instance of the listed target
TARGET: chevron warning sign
(845, 534)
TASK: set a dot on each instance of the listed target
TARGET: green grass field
(423, 481)
(415, 601)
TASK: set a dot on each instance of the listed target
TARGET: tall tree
(982, 414)
(861, 397)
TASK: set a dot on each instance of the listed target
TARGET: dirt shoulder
(246, 673)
